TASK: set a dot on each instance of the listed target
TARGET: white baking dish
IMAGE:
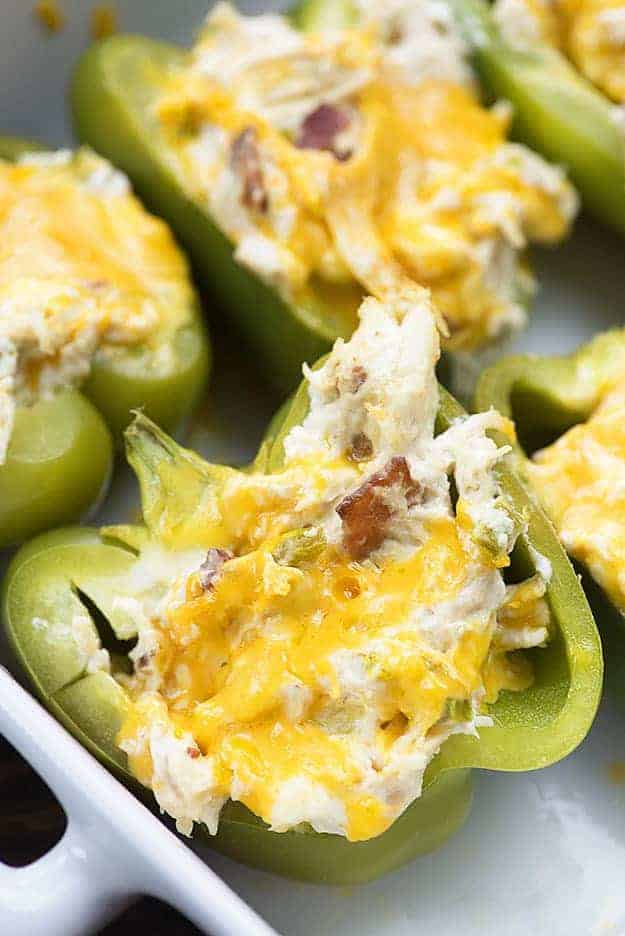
(541, 854)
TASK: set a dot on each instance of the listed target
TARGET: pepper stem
(176, 484)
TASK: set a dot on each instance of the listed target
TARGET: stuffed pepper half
(570, 415)
(304, 660)
(561, 65)
(303, 168)
(97, 316)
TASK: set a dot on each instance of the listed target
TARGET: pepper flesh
(60, 454)
(547, 396)
(52, 577)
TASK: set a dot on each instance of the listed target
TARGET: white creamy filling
(421, 39)
(517, 23)
(478, 599)
(612, 25)
(535, 172)
(394, 405)
(95, 173)
(61, 345)
(242, 41)
(182, 784)
(617, 113)
(8, 368)
(541, 564)
(276, 73)
(275, 264)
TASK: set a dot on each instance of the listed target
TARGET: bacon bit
(352, 382)
(361, 448)
(245, 159)
(211, 567)
(396, 35)
(351, 588)
(144, 659)
(358, 378)
(366, 512)
(193, 752)
(321, 128)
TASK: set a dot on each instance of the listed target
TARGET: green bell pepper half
(60, 455)
(546, 396)
(70, 571)
(114, 90)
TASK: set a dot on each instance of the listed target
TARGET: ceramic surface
(542, 853)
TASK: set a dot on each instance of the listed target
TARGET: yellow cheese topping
(590, 32)
(82, 267)
(334, 172)
(581, 479)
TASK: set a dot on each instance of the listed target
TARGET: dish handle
(67, 892)
(83, 882)
(114, 848)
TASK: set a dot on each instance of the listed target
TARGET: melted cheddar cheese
(590, 32)
(83, 269)
(348, 618)
(360, 161)
(581, 479)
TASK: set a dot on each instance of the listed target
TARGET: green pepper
(79, 572)
(546, 396)
(60, 454)
(557, 111)
(116, 86)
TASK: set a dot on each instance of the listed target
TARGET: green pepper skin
(113, 91)
(313, 15)
(49, 577)
(60, 455)
(58, 466)
(545, 396)
(556, 110)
